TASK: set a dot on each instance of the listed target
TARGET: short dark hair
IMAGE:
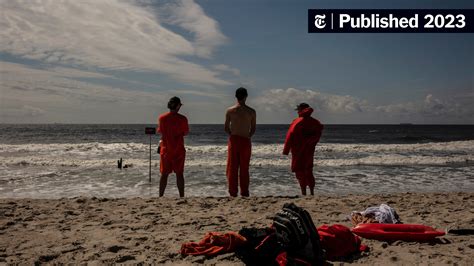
(173, 103)
(241, 93)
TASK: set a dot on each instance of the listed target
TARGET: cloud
(41, 84)
(22, 112)
(28, 92)
(73, 100)
(207, 94)
(276, 99)
(284, 101)
(113, 35)
(226, 68)
(190, 16)
(76, 73)
(431, 107)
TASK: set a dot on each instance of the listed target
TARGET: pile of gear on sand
(293, 239)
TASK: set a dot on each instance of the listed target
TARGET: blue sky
(120, 61)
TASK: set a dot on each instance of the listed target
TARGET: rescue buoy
(392, 232)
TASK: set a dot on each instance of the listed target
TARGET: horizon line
(335, 124)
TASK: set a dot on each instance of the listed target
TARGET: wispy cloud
(226, 68)
(206, 94)
(191, 17)
(113, 34)
(28, 92)
(20, 112)
(45, 95)
(430, 107)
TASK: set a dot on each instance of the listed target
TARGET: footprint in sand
(115, 248)
(125, 258)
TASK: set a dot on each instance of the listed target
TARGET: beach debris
(378, 214)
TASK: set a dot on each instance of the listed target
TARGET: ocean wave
(97, 154)
(94, 148)
(382, 160)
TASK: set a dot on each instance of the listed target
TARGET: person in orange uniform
(240, 124)
(303, 135)
(172, 127)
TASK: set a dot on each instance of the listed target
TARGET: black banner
(390, 20)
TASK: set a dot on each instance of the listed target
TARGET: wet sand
(99, 231)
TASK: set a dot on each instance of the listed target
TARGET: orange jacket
(303, 135)
(214, 243)
(172, 127)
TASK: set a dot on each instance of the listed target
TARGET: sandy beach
(102, 230)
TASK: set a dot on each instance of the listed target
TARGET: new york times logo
(319, 21)
(390, 20)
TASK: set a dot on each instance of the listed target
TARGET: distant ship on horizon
(406, 124)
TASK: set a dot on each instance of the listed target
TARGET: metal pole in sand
(149, 172)
(150, 131)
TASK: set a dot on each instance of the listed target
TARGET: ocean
(60, 160)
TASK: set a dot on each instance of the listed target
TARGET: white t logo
(319, 21)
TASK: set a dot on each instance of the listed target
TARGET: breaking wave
(136, 154)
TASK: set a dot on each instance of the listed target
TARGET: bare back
(240, 121)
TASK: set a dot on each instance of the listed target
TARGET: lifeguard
(172, 127)
(240, 123)
(303, 135)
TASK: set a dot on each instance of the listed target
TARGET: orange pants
(305, 178)
(172, 163)
(238, 156)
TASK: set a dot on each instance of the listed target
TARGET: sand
(152, 230)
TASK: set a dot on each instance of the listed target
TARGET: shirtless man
(240, 123)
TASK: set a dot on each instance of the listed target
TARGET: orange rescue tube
(392, 232)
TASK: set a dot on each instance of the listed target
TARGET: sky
(119, 61)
